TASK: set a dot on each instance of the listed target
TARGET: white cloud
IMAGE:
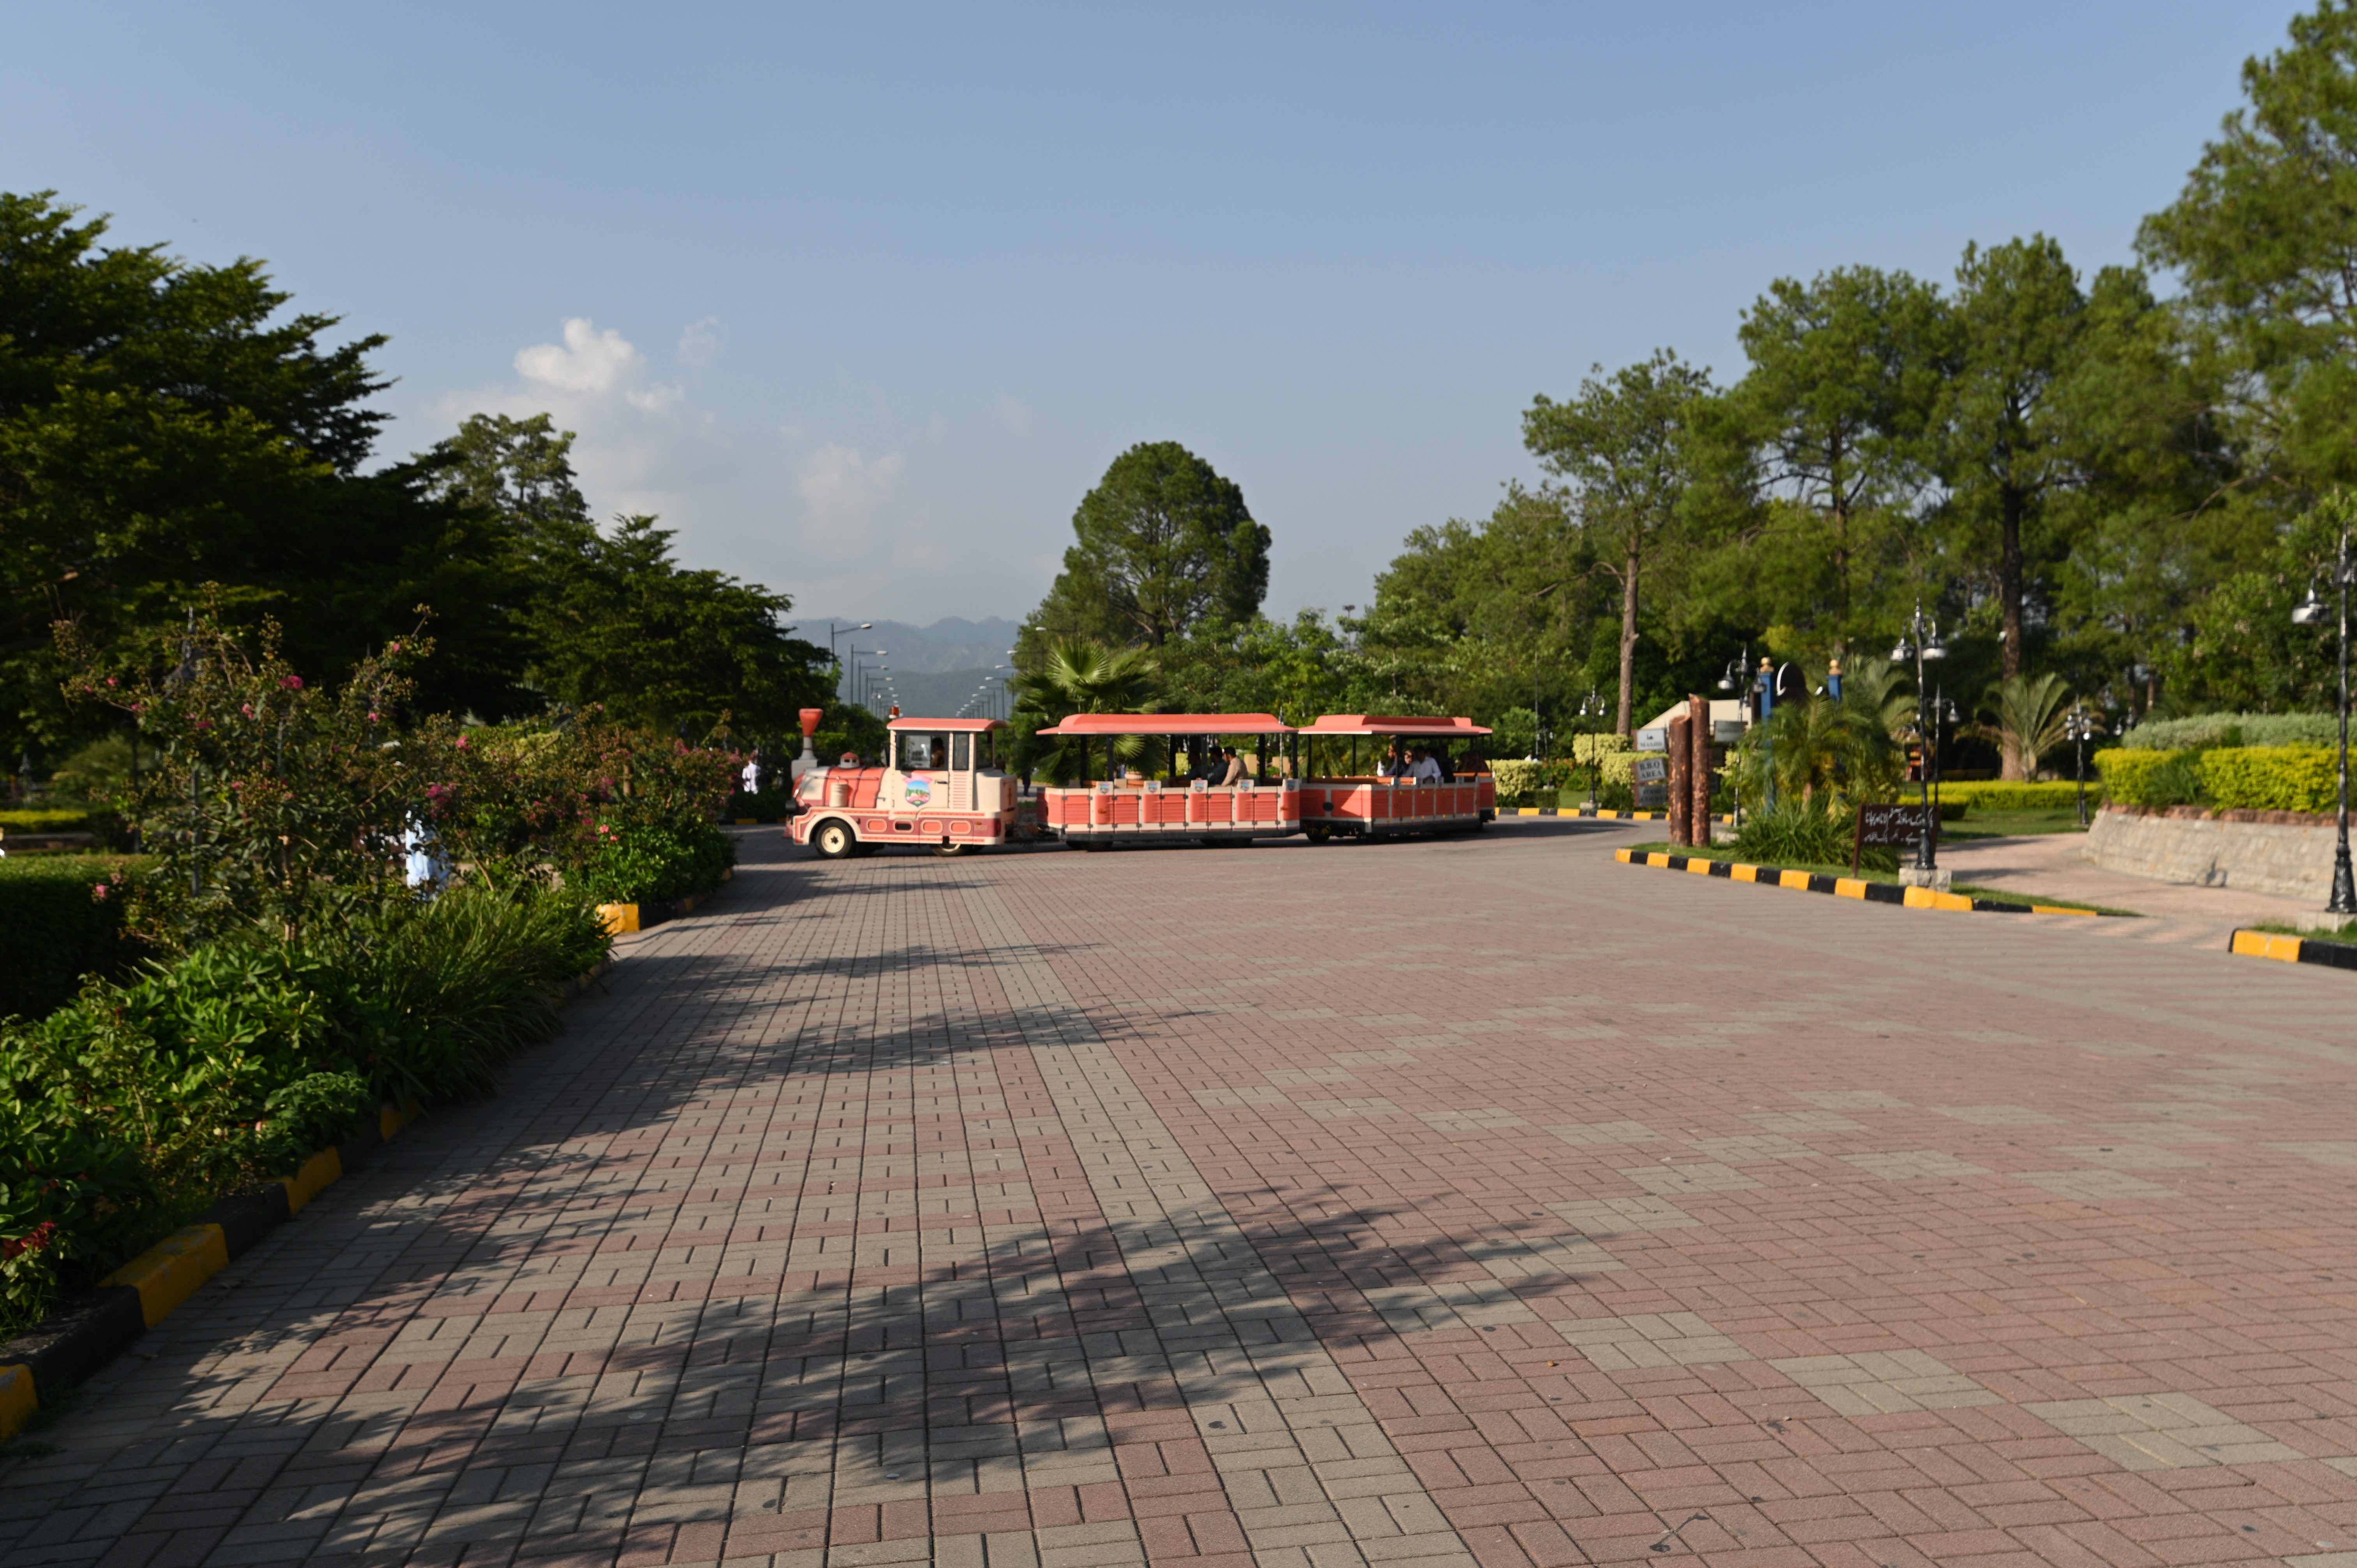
(640, 445)
(701, 341)
(854, 511)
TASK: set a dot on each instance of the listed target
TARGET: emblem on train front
(921, 790)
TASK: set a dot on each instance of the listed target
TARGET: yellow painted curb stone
(168, 1273)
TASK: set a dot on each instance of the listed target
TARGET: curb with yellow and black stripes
(1839, 886)
(1601, 814)
(73, 1344)
(2293, 950)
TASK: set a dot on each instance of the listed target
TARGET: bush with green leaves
(635, 865)
(130, 1109)
(60, 919)
(1803, 832)
(2198, 730)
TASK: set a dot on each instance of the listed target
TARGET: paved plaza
(1471, 1201)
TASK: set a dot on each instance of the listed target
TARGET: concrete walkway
(1473, 1201)
(2178, 913)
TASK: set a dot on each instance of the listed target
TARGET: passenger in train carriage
(1426, 770)
(1231, 767)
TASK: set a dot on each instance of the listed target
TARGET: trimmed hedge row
(2200, 730)
(1996, 795)
(29, 819)
(54, 931)
(2243, 778)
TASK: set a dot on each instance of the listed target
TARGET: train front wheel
(833, 840)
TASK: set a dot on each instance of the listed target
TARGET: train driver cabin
(939, 785)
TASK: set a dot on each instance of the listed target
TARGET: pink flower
(246, 708)
(393, 648)
(110, 680)
(99, 892)
(293, 683)
(462, 743)
(373, 717)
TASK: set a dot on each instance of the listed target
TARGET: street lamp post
(2312, 612)
(1921, 641)
(832, 635)
(2082, 726)
(1731, 681)
(1591, 714)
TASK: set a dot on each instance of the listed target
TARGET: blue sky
(862, 299)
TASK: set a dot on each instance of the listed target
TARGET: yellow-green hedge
(2242, 778)
(2271, 777)
(2127, 772)
(1996, 795)
(1516, 777)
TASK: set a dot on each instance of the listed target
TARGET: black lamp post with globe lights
(2313, 611)
(1920, 642)
(2082, 726)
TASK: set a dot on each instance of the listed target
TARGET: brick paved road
(1469, 1201)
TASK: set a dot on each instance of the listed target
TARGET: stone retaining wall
(2290, 855)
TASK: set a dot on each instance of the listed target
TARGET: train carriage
(1339, 801)
(1127, 807)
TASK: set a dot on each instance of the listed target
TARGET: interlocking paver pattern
(1469, 1201)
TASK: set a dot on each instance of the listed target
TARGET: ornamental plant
(272, 799)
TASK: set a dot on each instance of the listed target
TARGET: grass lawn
(1726, 852)
(2347, 933)
(1980, 824)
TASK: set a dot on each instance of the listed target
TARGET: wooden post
(1681, 760)
(1698, 736)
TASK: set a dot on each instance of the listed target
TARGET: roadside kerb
(81, 1338)
(2293, 950)
(1601, 814)
(1839, 886)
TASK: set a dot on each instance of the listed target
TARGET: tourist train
(1213, 779)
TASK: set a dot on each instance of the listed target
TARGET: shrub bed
(57, 926)
(29, 820)
(142, 1100)
(2242, 778)
(655, 862)
(1996, 795)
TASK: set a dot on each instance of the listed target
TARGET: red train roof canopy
(946, 724)
(1170, 723)
(1422, 727)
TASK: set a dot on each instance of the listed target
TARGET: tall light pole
(1921, 641)
(2082, 726)
(2312, 612)
(832, 635)
(1731, 681)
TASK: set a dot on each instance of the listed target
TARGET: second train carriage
(1339, 800)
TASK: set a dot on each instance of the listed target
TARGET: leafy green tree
(667, 648)
(2026, 718)
(1163, 542)
(611, 618)
(1619, 446)
(2264, 237)
(1077, 675)
(1809, 470)
(165, 426)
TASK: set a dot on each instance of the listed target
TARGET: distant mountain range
(945, 645)
(934, 669)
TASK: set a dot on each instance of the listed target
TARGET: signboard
(1652, 769)
(1726, 732)
(1652, 797)
(1889, 825)
(1656, 739)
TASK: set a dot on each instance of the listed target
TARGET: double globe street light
(2313, 611)
(1920, 642)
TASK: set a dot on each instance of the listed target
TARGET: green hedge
(636, 864)
(2241, 777)
(1992, 795)
(29, 821)
(2200, 730)
(2270, 778)
(54, 929)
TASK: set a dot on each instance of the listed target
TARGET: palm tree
(1833, 754)
(1081, 675)
(2033, 718)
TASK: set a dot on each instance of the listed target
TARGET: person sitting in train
(1231, 767)
(1207, 763)
(1425, 771)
